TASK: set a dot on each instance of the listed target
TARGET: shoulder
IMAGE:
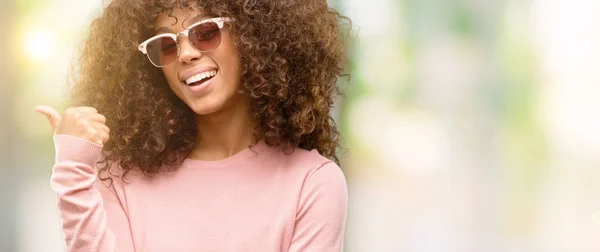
(308, 165)
(323, 190)
(304, 158)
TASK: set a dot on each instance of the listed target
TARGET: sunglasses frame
(220, 21)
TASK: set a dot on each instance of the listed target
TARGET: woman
(203, 126)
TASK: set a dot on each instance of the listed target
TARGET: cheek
(169, 73)
(231, 64)
(172, 79)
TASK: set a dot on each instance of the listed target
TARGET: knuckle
(73, 114)
(82, 123)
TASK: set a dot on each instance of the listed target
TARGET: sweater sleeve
(93, 217)
(321, 214)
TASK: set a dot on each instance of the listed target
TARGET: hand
(82, 122)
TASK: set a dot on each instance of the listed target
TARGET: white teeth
(201, 76)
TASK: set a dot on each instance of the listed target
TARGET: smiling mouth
(200, 78)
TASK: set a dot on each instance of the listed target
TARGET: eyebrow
(195, 19)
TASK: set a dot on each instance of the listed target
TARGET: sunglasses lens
(206, 36)
(162, 51)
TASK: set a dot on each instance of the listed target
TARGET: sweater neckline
(237, 158)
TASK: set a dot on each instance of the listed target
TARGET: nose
(187, 53)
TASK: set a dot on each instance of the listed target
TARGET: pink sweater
(259, 199)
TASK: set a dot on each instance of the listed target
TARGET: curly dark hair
(292, 54)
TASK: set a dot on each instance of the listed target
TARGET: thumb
(50, 113)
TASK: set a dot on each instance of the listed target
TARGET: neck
(224, 133)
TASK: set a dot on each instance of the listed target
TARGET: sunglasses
(204, 36)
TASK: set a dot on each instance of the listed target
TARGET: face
(190, 75)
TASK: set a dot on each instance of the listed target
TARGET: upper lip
(195, 71)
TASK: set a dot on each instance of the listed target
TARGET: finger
(102, 137)
(96, 136)
(100, 127)
(84, 109)
(97, 141)
(51, 114)
(96, 118)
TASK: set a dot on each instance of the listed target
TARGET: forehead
(179, 18)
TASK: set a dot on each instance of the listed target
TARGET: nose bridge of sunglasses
(186, 47)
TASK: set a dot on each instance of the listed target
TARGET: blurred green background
(468, 125)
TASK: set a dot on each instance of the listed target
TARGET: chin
(201, 108)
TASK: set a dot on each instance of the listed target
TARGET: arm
(321, 215)
(93, 218)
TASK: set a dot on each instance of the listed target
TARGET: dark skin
(222, 112)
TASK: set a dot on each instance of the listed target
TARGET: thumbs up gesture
(82, 122)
